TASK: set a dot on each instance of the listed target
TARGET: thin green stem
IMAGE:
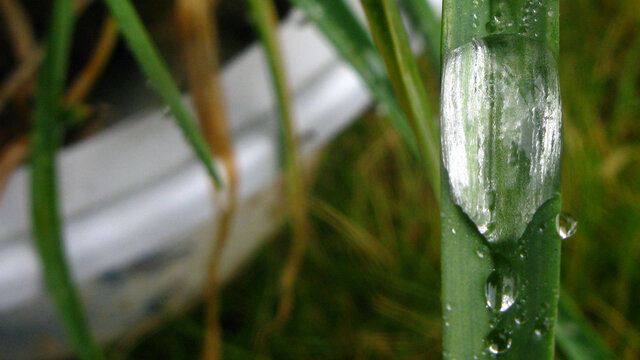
(424, 19)
(393, 43)
(151, 63)
(47, 134)
(343, 29)
(266, 21)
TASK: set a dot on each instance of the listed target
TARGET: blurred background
(369, 282)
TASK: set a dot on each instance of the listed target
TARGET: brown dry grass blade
(198, 30)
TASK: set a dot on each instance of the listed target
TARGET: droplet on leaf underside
(566, 225)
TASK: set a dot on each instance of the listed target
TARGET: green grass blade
(576, 339)
(393, 43)
(500, 244)
(266, 21)
(151, 63)
(47, 133)
(342, 28)
(423, 18)
(463, 21)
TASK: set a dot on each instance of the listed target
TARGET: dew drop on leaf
(498, 341)
(500, 290)
(566, 225)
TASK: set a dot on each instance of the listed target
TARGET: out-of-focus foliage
(46, 228)
(381, 300)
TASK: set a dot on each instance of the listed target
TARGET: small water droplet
(500, 290)
(542, 326)
(566, 225)
(480, 253)
(499, 342)
(448, 307)
(446, 324)
(518, 321)
(453, 231)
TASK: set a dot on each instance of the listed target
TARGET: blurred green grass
(369, 287)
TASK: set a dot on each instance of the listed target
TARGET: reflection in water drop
(500, 290)
(566, 225)
(498, 341)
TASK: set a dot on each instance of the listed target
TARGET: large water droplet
(566, 225)
(498, 341)
(500, 290)
(501, 131)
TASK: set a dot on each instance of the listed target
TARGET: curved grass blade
(576, 338)
(149, 60)
(393, 43)
(199, 35)
(47, 134)
(264, 15)
(343, 29)
(500, 125)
